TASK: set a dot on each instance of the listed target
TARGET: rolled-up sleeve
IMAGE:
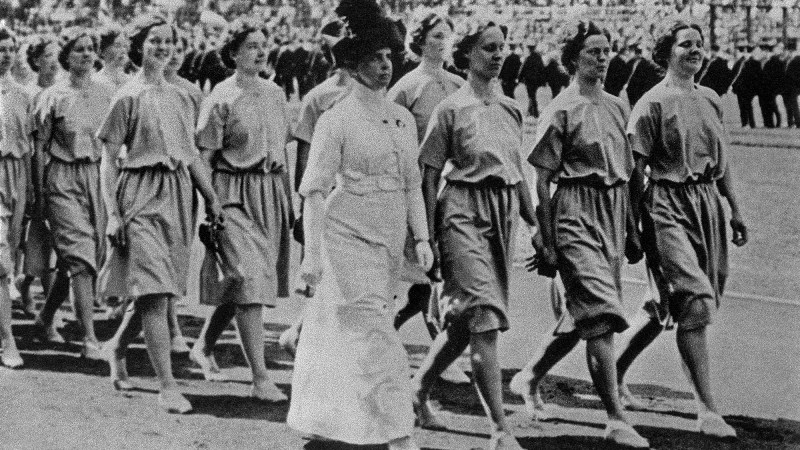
(116, 127)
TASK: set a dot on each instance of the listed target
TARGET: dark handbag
(220, 279)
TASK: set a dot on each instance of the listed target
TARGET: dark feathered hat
(368, 29)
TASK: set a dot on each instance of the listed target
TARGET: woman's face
(48, 60)
(487, 55)
(178, 53)
(251, 57)
(7, 54)
(687, 52)
(375, 70)
(437, 42)
(81, 57)
(158, 46)
(592, 61)
(117, 53)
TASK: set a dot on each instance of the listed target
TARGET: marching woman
(582, 146)
(148, 196)
(68, 115)
(479, 131)
(42, 56)
(113, 51)
(350, 381)
(243, 131)
(677, 131)
(420, 91)
(15, 149)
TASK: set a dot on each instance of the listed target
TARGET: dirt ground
(60, 401)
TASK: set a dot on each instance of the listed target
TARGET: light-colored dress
(351, 380)
(247, 129)
(420, 91)
(67, 119)
(15, 143)
(681, 137)
(154, 189)
(115, 82)
(478, 209)
(584, 142)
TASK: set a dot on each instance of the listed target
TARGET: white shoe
(11, 360)
(207, 364)
(267, 391)
(712, 424)
(535, 407)
(630, 401)
(288, 340)
(92, 351)
(504, 441)
(454, 374)
(174, 402)
(46, 334)
(622, 433)
(178, 345)
(405, 443)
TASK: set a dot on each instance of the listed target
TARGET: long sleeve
(417, 219)
(325, 156)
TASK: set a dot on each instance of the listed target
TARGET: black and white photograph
(399, 224)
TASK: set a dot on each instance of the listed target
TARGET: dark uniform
(533, 77)
(617, 75)
(792, 82)
(770, 88)
(645, 74)
(745, 87)
(509, 74)
(717, 76)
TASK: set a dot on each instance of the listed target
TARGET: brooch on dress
(398, 123)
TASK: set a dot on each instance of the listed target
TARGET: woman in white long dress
(350, 381)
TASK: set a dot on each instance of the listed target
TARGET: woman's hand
(424, 252)
(116, 232)
(215, 213)
(311, 270)
(739, 230)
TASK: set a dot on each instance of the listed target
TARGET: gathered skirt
(12, 210)
(77, 214)
(685, 223)
(590, 250)
(156, 207)
(258, 234)
(475, 225)
(351, 378)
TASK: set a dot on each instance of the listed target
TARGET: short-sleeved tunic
(67, 120)
(583, 141)
(247, 129)
(419, 91)
(478, 209)
(681, 137)
(37, 243)
(154, 189)
(350, 379)
(15, 143)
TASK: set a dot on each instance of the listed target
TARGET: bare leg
(202, 352)
(692, 345)
(488, 379)
(56, 295)
(552, 350)
(642, 332)
(251, 330)
(83, 292)
(116, 348)
(600, 358)
(418, 298)
(156, 337)
(177, 341)
(11, 356)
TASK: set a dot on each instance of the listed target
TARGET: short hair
(465, 45)
(69, 39)
(662, 51)
(574, 44)
(137, 40)
(235, 41)
(5, 33)
(108, 37)
(419, 33)
(36, 49)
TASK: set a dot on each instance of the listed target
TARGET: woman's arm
(201, 178)
(108, 184)
(526, 211)
(430, 189)
(725, 186)
(546, 225)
